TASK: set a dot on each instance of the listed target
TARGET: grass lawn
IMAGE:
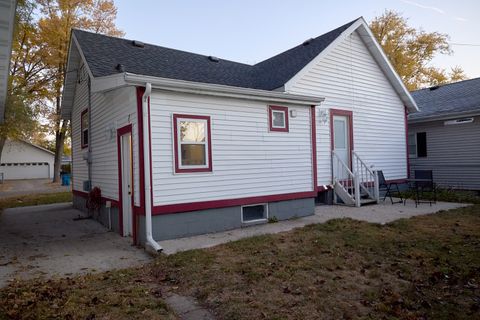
(35, 199)
(427, 267)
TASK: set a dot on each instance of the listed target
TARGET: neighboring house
(182, 144)
(445, 135)
(7, 19)
(23, 160)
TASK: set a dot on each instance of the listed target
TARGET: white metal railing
(344, 177)
(366, 177)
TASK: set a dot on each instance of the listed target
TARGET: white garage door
(32, 170)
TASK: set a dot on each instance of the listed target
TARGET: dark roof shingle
(453, 98)
(104, 53)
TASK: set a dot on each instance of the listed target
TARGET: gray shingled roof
(104, 53)
(453, 98)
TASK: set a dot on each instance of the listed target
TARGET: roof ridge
(346, 25)
(155, 45)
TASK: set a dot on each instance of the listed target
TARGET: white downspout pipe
(151, 244)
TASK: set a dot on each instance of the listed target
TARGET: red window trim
(270, 118)
(175, 144)
(81, 129)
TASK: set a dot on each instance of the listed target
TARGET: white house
(23, 160)
(182, 144)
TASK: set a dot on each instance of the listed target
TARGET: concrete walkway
(45, 241)
(380, 213)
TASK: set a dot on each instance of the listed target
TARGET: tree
(57, 20)
(411, 51)
(28, 79)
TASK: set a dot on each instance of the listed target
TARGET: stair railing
(367, 177)
(343, 176)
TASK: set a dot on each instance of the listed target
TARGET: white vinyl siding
(110, 111)
(248, 159)
(350, 79)
(79, 166)
(113, 110)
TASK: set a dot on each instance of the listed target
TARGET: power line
(464, 44)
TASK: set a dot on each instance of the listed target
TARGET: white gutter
(219, 90)
(150, 244)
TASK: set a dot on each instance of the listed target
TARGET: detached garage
(23, 160)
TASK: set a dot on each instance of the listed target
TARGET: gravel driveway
(46, 241)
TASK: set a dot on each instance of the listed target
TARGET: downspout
(151, 244)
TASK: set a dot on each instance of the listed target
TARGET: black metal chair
(383, 185)
(424, 183)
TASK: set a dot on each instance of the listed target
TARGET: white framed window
(192, 143)
(417, 145)
(278, 118)
(255, 213)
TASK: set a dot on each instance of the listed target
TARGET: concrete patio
(45, 241)
(380, 213)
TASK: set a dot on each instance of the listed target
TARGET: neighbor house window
(421, 144)
(192, 143)
(278, 118)
(417, 145)
(84, 128)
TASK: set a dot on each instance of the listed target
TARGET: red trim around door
(120, 132)
(313, 126)
(346, 113)
(141, 171)
(175, 143)
(406, 142)
(194, 206)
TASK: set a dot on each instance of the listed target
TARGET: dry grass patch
(35, 199)
(124, 294)
(425, 267)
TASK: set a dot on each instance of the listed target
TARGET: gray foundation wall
(170, 226)
(101, 216)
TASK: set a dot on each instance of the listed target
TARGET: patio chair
(388, 187)
(426, 185)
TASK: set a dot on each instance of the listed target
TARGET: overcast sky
(250, 31)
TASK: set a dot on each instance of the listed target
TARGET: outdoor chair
(423, 182)
(388, 187)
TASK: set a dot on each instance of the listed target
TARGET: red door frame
(349, 115)
(120, 132)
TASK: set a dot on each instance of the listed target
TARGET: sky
(250, 31)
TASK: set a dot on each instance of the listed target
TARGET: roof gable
(108, 56)
(103, 54)
(451, 99)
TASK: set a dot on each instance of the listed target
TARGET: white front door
(127, 178)
(341, 144)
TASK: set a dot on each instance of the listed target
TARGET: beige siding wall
(248, 160)
(349, 78)
(453, 153)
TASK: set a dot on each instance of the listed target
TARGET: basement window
(278, 118)
(84, 128)
(192, 143)
(254, 213)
